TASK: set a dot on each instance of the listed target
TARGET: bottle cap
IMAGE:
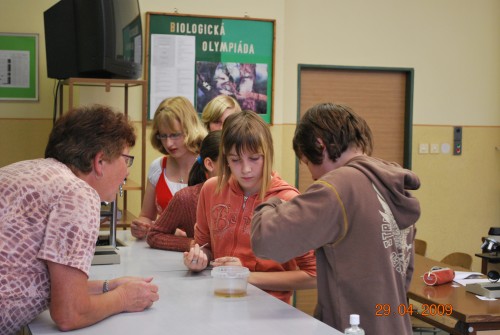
(354, 319)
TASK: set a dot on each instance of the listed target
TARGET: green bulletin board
(18, 66)
(201, 57)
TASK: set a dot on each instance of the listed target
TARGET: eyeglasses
(173, 137)
(129, 160)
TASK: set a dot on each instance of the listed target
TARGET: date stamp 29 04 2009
(424, 310)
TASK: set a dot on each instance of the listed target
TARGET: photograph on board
(247, 83)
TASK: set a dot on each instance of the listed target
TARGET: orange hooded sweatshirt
(223, 221)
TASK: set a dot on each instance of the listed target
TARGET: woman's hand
(114, 283)
(226, 261)
(195, 259)
(137, 295)
(140, 227)
(180, 232)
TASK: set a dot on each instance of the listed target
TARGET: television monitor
(93, 39)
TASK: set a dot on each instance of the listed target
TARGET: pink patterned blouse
(46, 214)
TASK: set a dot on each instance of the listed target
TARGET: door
(382, 96)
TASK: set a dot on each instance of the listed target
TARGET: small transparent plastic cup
(230, 281)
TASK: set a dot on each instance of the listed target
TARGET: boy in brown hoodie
(358, 215)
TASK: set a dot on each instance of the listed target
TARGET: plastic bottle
(354, 329)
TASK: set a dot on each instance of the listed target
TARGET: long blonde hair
(246, 131)
(181, 110)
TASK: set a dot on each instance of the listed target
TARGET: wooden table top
(466, 306)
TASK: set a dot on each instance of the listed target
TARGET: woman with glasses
(49, 225)
(177, 133)
(181, 210)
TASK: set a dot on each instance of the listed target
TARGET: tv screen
(94, 39)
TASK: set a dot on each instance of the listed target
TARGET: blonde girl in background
(177, 133)
(226, 205)
(180, 213)
(217, 110)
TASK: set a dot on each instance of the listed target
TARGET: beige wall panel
(460, 195)
(22, 139)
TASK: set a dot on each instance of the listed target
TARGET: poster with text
(201, 57)
(18, 66)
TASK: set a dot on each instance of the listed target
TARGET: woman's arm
(148, 209)
(282, 280)
(178, 214)
(97, 286)
(76, 304)
(141, 225)
(198, 258)
(299, 279)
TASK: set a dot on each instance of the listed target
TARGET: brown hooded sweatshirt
(361, 219)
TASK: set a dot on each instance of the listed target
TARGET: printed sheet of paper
(14, 68)
(172, 69)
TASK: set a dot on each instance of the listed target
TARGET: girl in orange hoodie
(226, 205)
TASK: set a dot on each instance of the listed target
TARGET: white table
(187, 304)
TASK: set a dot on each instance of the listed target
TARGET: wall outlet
(423, 148)
(434, 148)
(445, 148)
(457, 141)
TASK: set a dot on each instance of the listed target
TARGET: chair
(421, 327)
(418, 325)
(458, 259)
(306, 300)
(420, 247)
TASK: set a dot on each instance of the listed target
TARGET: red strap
(163, 194)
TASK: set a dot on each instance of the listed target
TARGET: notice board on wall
(200, 57)
(18, 66)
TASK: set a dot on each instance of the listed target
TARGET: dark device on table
(491, 243)
(106, 251)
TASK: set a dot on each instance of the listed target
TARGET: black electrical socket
(457, 141)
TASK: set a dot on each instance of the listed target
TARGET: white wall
(453, 45)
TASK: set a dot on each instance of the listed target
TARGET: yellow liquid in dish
(226, 293)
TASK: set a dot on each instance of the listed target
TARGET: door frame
(408, 117)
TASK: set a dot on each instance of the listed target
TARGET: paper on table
(463, 278)
(480, 297)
